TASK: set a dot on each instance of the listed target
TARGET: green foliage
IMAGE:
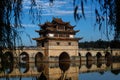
(107, 15)
(10, 22)
(100, 44)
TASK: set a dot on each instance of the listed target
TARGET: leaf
(51, 1)
(82, 7)
(100, 25)
(75, 13)
(74, 2)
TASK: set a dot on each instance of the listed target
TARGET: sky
(61, 9)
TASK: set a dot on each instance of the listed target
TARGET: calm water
(60, 71)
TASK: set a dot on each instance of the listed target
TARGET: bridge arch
(1, 61)
(8, 68)
(24, 67)
(108, 58)
(99, 59)
(88, 56)
(99, 56)
(0, 57)
(40, 67)
(8, 61)
(64, 57)
(88, 60)
(24, 57)
(42, 77)
(39, 57)
(8, 57)
(79, 56)
(64, 66)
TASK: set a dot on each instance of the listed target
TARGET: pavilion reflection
(42, 77)
(64, 66)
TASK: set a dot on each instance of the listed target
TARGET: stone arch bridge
(36, 54)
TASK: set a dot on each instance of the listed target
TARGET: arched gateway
(64, 57)
(57, 37)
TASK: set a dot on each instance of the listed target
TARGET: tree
(107, 15)
(11, 12)
(10, 22)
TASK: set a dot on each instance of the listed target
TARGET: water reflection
(58, 71)
(39, 66)
(64, 66)
(116, 72)
(7, 63)
(89, 64)
(24, 67)
(42, 77)
(99, 65)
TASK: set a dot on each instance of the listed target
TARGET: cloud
(29, 25)
(58, 7)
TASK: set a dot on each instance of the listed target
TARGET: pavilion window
(60, 27)
(58, 43)
(65, 28)
(42, 44)
(61, 35)
(56, 35)
(67, 35)
(69, 43)
(38, 43)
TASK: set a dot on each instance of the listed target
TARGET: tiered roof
(51, 26)
(56, 26)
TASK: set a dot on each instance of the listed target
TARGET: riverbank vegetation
(100, 44)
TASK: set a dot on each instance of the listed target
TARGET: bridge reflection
(56, 71)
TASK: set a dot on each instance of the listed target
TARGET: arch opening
(108, 56)
(24, 57)
(88, 60)
(7, 62)
(116, 72)
(79, 56)
(108, 59)
(99, 59)
(42, 77)
(24, 67)
(80, 60)
(0, 57)
(88, 57)
(64, 57)
(8, 68)
(38, 57)
(38, 62)
(89, 64)
(8, 57)
(40, 67)
(64, 66)
(99, 56)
